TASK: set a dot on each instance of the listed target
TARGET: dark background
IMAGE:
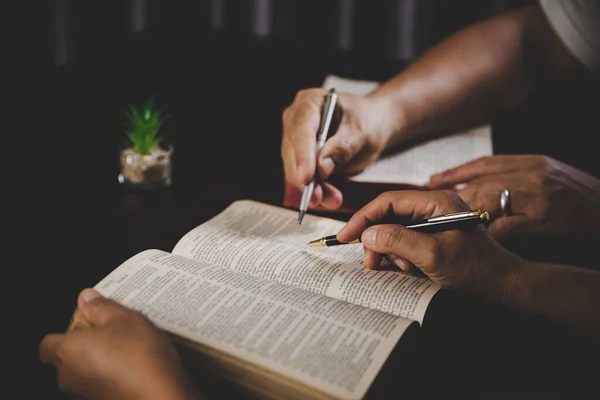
(226, 70)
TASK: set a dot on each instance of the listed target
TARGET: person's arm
(474, 74)
(568, 295)
(471, 262)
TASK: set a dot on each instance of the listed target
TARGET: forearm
(472, 76)
(565, 294)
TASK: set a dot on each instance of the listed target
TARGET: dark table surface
(74, 223)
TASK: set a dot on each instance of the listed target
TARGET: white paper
(415, 165)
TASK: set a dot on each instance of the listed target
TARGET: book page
(416, 164)
(266, 242)
(333, 346)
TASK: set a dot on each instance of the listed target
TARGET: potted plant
(146, 156)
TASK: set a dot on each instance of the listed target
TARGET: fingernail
(89, 294)
(369, 236)
(327, 166)
(399, 262)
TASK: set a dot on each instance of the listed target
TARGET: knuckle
(371, 147)
(486, 160)
(302, 94)
(536, 179)
(301, 115)
(450, 173)
(385, 198)
(343, 151)
(389, 238)
(471, 197)
(302, 105)
(449, 195)
(308, 94)
(482, 162)
(453, 201)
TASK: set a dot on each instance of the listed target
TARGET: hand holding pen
(438, 255)
(445, 222)
(326, 119)
(354, 142)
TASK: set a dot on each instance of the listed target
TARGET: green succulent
(143, 126)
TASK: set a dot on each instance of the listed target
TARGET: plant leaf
(143, 125)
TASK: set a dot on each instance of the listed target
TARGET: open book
(266, 310)
(408, 168)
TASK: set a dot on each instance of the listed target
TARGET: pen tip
(316, 243)
(300, 217)
(332, 90)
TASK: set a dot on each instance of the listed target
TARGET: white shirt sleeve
(577, 24)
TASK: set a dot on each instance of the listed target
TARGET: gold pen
(434, 224)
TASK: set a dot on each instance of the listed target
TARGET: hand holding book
(97, 362)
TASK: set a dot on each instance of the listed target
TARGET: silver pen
(326, 118)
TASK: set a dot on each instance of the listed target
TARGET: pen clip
(460, 215)
(327, 117)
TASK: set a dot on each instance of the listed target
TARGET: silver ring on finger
(505, 206)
